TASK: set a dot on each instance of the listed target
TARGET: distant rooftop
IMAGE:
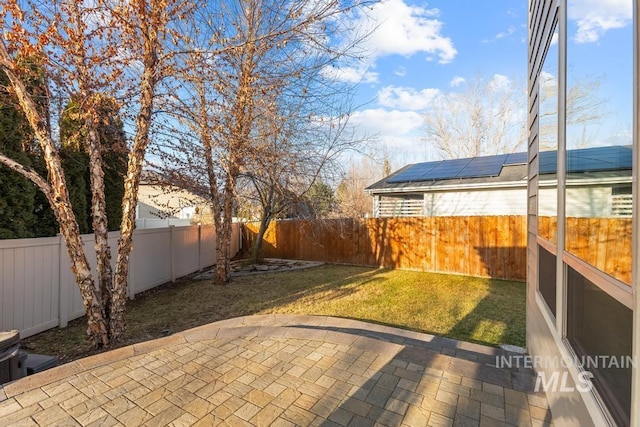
(503, 168)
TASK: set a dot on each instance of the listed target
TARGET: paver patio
(282, 370)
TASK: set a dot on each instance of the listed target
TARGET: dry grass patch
(481, 310)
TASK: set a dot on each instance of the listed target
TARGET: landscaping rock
(272, 265)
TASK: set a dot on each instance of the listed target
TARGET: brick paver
(281, 370)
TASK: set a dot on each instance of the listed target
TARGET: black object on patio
(9, 349)
(35, 363)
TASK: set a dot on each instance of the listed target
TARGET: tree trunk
(129, 202)
(132, 180)
(221, 276)
(58, 197)
(91, 117)
(264, 225)
(223, 236)
(99, 220)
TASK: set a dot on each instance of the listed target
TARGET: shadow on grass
(187, 303)
(496, 316)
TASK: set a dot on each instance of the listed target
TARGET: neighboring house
(497, 185)
(583, 318)
(161, 206)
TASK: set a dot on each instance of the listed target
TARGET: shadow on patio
(281, 370)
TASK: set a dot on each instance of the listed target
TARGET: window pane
(547, 277)
(599, 138)
(548, 143)
(599, 329)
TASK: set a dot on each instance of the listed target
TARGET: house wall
(568, 408)
(581, 202)
(156, 202)
(575, 306)
(584, 202)
(588, 202)
(476, 203)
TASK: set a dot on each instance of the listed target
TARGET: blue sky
(430, 48)
(424, 49)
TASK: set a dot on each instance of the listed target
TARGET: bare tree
(254, 67)
(584, 108)
(485, 117)
(79, 47)
(353, 202)
(302, 150)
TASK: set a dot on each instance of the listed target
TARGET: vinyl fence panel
(185, 250)
(208, 245)
(29, 281)
(150, 259)
(38, 289)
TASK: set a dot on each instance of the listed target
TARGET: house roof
(503, 170)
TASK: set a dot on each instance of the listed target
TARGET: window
(597, 326)
(547, 277)
(599, 120)
(547, 175)
(598, 141)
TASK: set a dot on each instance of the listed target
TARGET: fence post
(171, 253)
(199, 247)
(63, 306)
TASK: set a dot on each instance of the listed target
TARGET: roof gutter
(496, 185)
(479, 185)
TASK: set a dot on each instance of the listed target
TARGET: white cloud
(595, 17)
(457, 81)
(387, 124)
(547, 77)
(406, 98)
(554, 39)
(396, 28)
(399, 28)
(503, 34)
(499, 83)
(507, 33)
(400, 71)
(358, 74)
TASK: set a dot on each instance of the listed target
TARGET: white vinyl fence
(161, 223)
(38, 290)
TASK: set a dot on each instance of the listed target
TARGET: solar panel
(580, 160)
(483, 167)
(447, 169)
(516, 159)
(450, 169)
(414, 172)
(599, 159)
(548, 162)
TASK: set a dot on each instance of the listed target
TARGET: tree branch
(28, 173)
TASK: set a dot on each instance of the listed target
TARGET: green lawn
(473, 309)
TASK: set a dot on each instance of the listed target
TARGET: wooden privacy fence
(489, 246)
(38, 290)
(604, 243)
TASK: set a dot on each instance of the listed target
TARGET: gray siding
(542, 340)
